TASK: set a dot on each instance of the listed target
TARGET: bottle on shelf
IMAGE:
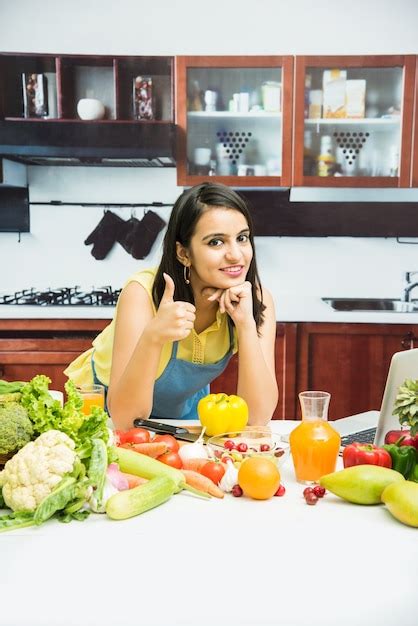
(195, 98)
(326, 159)
(309, 162)
(308, 85)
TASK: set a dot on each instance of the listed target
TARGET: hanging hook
(19, 238)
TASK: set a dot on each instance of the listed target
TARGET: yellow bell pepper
(220, 413)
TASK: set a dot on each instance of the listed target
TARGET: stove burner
(63, 296)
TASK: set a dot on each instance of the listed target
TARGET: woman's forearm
(256, 382)
(132, 395)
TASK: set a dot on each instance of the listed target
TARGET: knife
(166, 429)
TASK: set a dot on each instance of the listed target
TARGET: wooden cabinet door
(285, 359)
(234, 116)
(353, 121)
(351, 361)
(22, 359)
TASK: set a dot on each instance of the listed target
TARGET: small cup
(202, 156)
(92, 395)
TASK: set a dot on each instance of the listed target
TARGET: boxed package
(35, 95)
(333, 87)
(143, 98)
(355, 98)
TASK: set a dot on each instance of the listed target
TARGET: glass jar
(314, 444)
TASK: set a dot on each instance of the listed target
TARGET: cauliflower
(15, 427)
(33, 472)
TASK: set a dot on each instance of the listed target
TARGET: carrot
(194, 464)
(153, 449)
(198, 481)
(134, 481)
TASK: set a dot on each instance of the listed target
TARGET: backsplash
(54, 254)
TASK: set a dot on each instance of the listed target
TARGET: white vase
(90, 109)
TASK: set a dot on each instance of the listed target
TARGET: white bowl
(90, 109)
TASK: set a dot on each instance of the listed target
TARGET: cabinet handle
(407, 342)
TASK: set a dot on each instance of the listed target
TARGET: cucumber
(135, 501)
(142, 465)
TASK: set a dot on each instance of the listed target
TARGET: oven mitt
(104, 235)
(125, 233)
(145, 233)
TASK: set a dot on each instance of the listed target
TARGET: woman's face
(220, 250)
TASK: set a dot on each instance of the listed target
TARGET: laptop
(403, 365)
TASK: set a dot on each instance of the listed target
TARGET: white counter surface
(235, 562)
(288, 309)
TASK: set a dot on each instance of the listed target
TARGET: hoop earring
(186, 274)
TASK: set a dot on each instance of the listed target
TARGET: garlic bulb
(230, 478)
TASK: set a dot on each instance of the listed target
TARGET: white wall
(54, 253)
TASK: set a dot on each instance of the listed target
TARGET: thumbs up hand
(174, 320)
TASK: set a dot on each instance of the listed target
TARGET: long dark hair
(183, 219)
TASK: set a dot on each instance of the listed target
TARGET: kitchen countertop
(288, 309)
(236, 561)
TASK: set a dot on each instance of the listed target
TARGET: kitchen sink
(372, 304)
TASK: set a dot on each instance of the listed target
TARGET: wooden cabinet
(285, 358)
(353, 121)
(234, 117)
(30, 347)
(351, 361)
(88, 110)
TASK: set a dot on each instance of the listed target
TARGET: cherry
(311, 498)
(307, 490)
(281, 491)
(319, 491)
(229, 444)
(264, 447)
(236, 491)
(242, 447)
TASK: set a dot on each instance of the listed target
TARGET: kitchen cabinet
(30, 347)
(234, 117)
(351, 361)
(353, 121)
(285, 363)
(84, 108)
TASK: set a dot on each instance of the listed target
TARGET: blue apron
(182, 384)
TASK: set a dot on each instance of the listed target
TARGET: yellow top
(209, 346)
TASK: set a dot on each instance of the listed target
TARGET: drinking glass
(314, 443)
(92, 395)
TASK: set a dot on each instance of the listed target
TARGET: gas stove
(63, 296)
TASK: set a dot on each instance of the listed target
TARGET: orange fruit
(258, 478)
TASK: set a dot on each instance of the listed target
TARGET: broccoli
(15, 427)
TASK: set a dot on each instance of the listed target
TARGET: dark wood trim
(287, 122)
(289, 370)
(407, 121)
(358, 60)
(69, 324)
(414, 156)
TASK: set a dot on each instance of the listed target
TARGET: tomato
(214, 471)
(134, 435)
(171, 458)
(169, 440)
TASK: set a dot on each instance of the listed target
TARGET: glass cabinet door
(234, 119)
(353, 124)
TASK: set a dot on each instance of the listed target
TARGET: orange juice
(314, 445)
(90, 400)
(92, 395)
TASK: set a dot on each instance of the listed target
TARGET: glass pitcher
(314, 444)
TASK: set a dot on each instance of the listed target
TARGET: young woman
(176, 327)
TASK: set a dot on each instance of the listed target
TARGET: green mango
(402, 501)
(360, 484)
